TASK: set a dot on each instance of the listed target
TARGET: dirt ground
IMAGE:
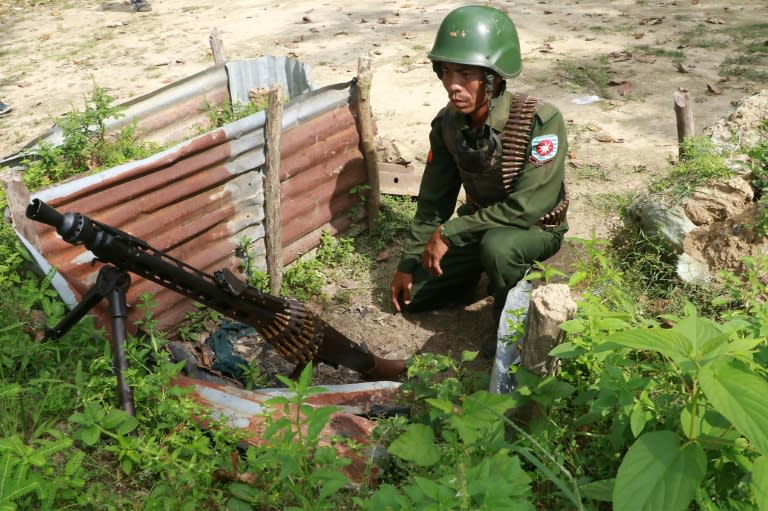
(53, 51)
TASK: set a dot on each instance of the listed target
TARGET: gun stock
(297, 334)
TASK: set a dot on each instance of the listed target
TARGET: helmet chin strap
(490, 79)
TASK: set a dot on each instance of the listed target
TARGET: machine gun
(297, 334)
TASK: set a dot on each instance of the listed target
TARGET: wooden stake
(368, 140)
(17, 194)
(273, 242)
(217, 48)
(684, 116)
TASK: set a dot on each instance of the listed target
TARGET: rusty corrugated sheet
(246, 410)
(198, 199)
(167, 115)
(180, 110)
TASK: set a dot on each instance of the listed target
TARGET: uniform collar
(499, 112)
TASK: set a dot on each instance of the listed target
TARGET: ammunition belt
(516, 137)
(556, 217)
(515, 141)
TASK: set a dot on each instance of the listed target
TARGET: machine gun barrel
(295, 332)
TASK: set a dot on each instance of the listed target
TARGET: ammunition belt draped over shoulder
(487, 180)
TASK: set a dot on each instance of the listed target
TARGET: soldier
(507, 150)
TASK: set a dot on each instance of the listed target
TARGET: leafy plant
(758, 155)
(722, 420)
(293, 469)
(86, 144)
(456, 453)
(229, 112)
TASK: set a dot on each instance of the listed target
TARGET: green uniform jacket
(535, 193)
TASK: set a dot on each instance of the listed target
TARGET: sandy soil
(52, 51)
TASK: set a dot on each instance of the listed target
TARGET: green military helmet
(478, 35)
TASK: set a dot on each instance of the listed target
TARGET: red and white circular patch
(543, 149)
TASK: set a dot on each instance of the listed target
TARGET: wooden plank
(396, 179)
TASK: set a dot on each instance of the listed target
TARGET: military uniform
(501, 229)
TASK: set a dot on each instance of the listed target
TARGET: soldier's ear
(437, 67)
(500, 86)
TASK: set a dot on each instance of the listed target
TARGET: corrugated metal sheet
(198, 199)
(245, 410)
(180, 110)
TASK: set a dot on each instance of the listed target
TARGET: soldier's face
(466, 88)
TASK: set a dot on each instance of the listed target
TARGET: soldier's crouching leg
(461, 272)
(506, 254)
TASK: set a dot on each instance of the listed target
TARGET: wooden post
(17, 194)
(217, 48)
(368, 140)
(550, 306)
(684, 116)
(273, 242)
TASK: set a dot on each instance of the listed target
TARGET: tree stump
(550, 306)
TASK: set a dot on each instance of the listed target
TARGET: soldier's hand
(401, 283)
(433, 253)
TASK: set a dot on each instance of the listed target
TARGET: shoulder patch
(543, 149)
(429, 156)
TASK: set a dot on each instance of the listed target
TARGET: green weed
(673, 55)
(702, 163)
(293, 470)
(229, 112)
(86, 144)
(588, 77)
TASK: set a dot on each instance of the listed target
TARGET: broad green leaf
(416, 444)
(500, 475)
(573, 326)
(740, 396)
(385, 499)
(433, 490)
(658, 474)
(331, 481)
(305, 378)
(739, 348)
(234, 504)
(667, 342)
(126, 465)
(566, 350)
(88, 434)
(113, 418)
(598, 490)
(478, 417)
(243, 491)
(444, 405)
(760, 482)
(638, 419)
(129, 424)
(703, 333)
(708, 423)
(469, 356)
(576, 278)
